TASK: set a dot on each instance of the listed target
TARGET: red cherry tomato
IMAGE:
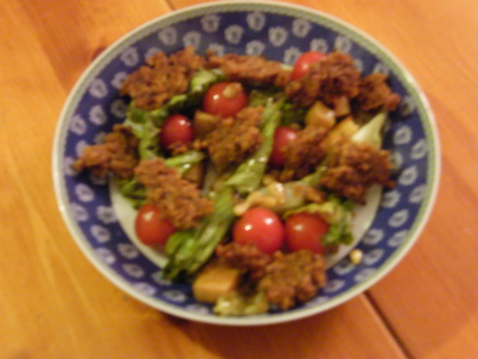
(261, 226)
(302, 64)
(177, 128)
(305, 231)
(150, 227)
(282, 137)
(224, 99)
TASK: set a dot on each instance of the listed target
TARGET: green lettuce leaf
(248, 176)
(239, 303)
(184, 161)
(190, 249)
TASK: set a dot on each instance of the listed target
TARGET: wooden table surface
(54, 304)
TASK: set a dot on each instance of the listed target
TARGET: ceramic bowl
(102, 225)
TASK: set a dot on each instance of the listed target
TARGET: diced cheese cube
(214, 281)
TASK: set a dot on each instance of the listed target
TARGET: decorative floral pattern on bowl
(279, 32)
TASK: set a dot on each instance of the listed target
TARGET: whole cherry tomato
(176, 129)
(262, 227)
(282, 137)
(224, 99)
(305, 231)
(302, 64)
(150, 227)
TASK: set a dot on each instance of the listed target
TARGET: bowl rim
(422, 217)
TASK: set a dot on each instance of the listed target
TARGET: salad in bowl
(245, 174)
(224, 167)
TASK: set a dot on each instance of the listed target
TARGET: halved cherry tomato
(302, 64)
(150, 227)
(177, 128)
(224, 99)
(305, 231)
(262, 227)
(282, 137)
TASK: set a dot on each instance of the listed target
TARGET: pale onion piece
(255, 199)
(276, 196)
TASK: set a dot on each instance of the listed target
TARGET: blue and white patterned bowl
(281, 32)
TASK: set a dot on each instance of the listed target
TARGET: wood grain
(54, 304)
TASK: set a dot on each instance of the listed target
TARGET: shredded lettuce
(144, 129)
(177, 239)
(248, 176)
(290, 112)
(184, 161)
(261, 97)
(204, 78)
(133, 191)
(190, 249)
(314, 178)
(138, 116)
(241, 304)
(147, 133)
(371, 132)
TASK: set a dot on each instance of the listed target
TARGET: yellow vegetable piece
(344, 129)
(204, 123)
(320, 115)
(214, 281)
